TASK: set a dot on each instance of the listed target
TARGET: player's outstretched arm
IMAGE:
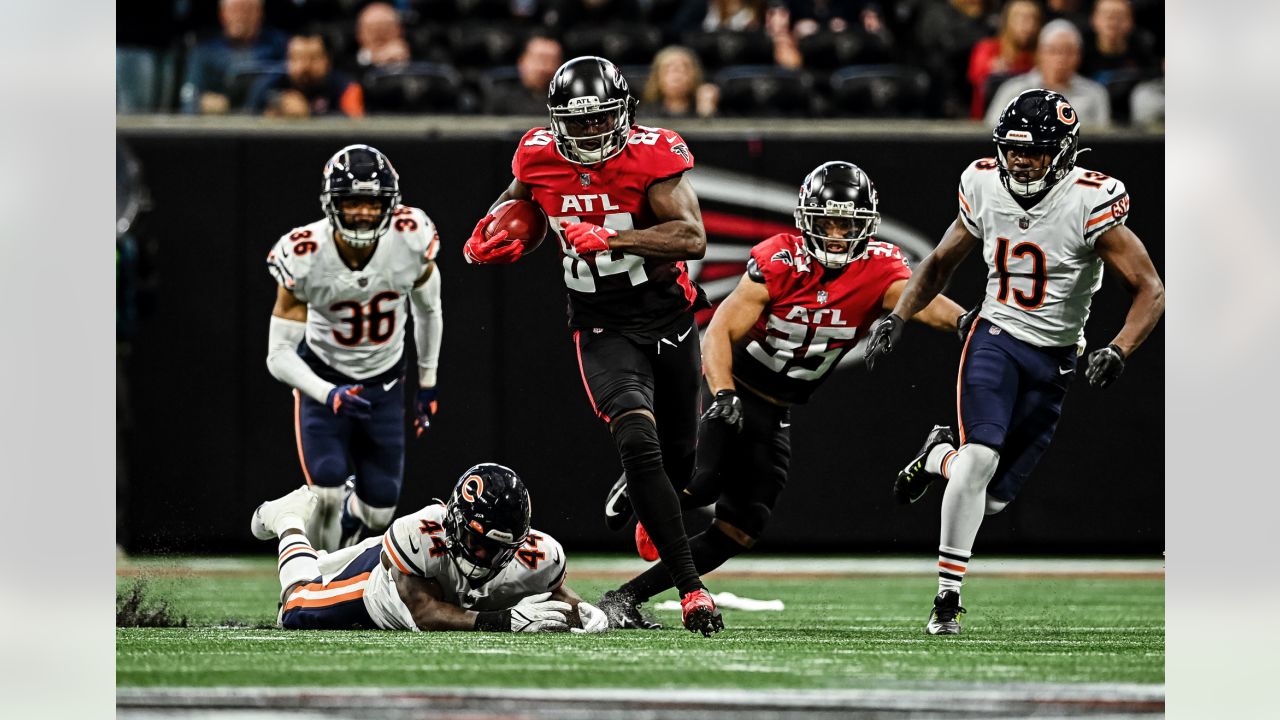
(935, 270)
(678, 235)
(584, 617)
(428, 328)
(732, 320)
(288, 328)
(1126, 256)
(423, 598)
(942, 313)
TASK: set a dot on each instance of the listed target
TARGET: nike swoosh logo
(683, 335)
(389, 385)
(1061, 371)
(671, 139)
(1112, 188)
(414, 548)
(784, 424)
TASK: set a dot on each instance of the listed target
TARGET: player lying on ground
(472, 563)
(627, 219)
(337, 338)
(1046, 229)
(803, 303)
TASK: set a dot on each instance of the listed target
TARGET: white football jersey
(355, 318)
(1042, 270)
(415, 545)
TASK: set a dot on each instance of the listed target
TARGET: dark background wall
(212, 431)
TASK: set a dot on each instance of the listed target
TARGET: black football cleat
(944, 619)
(617, 505)
(913, 480)
(624, 612)
(700, 614)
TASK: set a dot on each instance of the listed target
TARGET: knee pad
(994, 506)
(328, 471)
(637, 439)
(975, 465)
(749, 519)
(375, 518)
(629, 400)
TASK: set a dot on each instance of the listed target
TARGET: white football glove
(593, 619)
(537, 614)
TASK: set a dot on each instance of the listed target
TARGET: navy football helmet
(837, 197)
(1037, 120)
(486, 521)
(591, 110)
(360, 171)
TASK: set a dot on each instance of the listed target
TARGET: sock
(710, 549)
(654, 499)
(952, 564)
(964, 502)
(325, 527)
(939, 459)
(297, 562)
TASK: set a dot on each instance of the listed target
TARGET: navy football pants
(331, 447)
(1010, 398)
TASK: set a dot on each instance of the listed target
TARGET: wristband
(493, 621)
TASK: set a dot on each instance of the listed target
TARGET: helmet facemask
(478, 552)
(817, 225)
(1062, 157)
(572, 125)
(361, 234)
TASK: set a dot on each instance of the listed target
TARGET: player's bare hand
(884, 336)
(587, 237)
(1105, 366)
(424, 410)
(726, 408)
(345, 400)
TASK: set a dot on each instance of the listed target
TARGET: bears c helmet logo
(472, 488)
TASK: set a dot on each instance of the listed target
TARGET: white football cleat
(945, 618)
(290, 511)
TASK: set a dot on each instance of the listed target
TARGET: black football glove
(727, 408)
(1105, 365)
(966, 321)
(884, 336)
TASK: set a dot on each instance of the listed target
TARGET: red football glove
(587, 237)
(495, 250)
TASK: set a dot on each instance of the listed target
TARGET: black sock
(655, 501)
(710, 550)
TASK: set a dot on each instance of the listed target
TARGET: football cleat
(644, 544)
(945, 617)
(700, 614)
(270, 517)
(624, 612)
(617, 505)
(913, 480)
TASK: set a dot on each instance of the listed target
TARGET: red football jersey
(814, 315)
(614, 290)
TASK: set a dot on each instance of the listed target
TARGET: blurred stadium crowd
(684, 58)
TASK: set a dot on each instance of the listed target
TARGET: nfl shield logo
(822, 297)
(363, 282)
(1024, 223)
(584, 178)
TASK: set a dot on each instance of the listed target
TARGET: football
(522, 219)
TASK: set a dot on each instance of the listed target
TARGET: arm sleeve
(428, 327)
(285, 365)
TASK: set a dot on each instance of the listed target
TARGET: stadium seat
(1119, 84)
(483, 45)
(828, 50)
(141, 75)
(992, 84)
(622, 44)
(428, 43)
(416, 88)
(727, 47)
(243, 77)
(637, 76)
(880, 90)
(483, 10)
(765, 91)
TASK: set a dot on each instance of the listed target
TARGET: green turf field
(836, 632)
